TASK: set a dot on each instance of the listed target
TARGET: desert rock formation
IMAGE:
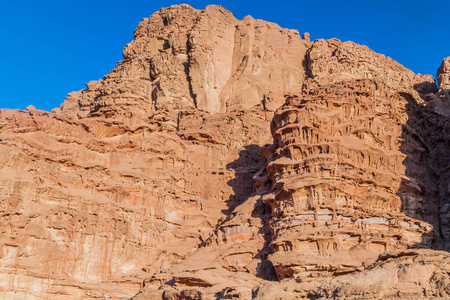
(336, 170)
(231, 159)
(443, 74)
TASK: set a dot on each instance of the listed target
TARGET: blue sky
(50, 48)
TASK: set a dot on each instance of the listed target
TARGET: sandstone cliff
(231, 159)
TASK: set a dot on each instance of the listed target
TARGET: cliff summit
(231, 159)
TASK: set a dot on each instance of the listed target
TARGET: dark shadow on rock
(245, 167)
(426, 87)
(424, 193)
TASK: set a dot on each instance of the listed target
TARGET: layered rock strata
(182, 58)
(410, 274)
(337, 169)
(131, 175)
(143, 180)
(443, 74)
(349, 180)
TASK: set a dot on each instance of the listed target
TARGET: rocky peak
(230, 159)
(182, 58)
(443, 74)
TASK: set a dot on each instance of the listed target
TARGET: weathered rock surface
(183, 58)
(132, 174)
(443, 74)
(336, 170)
(109, 199)
(187, 173)
(411, 274)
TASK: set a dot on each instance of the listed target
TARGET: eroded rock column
(337, 172)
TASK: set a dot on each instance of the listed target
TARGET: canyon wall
(132, 174)
(225, 159)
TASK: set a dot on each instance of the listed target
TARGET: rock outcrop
(230, 159)
(132, 174)
(336, 170)
(412, 274)
(182, 58)
(443, 74)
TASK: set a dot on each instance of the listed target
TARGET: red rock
(336, 171)
(443, 74)
(187, 173)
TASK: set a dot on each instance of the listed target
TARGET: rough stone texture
(331, 61)
(443, 74)
(306, 36)
(336, 170)
(131, 175)
(187, 173)
(410, 274)
(184, 58)
(109, 199)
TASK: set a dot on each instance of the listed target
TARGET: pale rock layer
(443, 74)
(187, 173)
(131, 175)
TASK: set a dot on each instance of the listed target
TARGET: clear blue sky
(50, 48)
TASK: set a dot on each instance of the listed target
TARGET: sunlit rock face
(339, 179)
(133, 173)
(230, 159)
(443, 74)
(183, 58)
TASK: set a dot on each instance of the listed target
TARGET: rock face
(412, 274)
(132, 174)
(182, 58)
(443, 74)
(187, 173)
(336, 170)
